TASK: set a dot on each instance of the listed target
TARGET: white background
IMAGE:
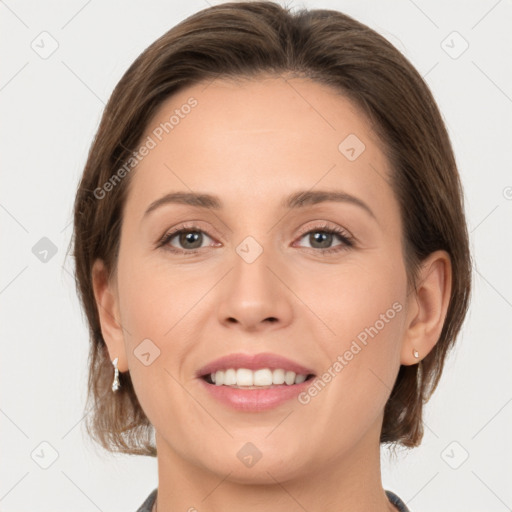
(50, 109)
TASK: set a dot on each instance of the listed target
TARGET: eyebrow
(295, 200)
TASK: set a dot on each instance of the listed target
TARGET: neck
(349, 482)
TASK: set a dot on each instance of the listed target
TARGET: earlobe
(108, 311)
(428, 307)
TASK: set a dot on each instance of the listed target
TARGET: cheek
(155, 306)
(363, 306)
(153, 296)
(354, 296)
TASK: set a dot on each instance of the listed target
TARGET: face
(316, 279)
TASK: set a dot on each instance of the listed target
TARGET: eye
(321, 238)
(188, 238)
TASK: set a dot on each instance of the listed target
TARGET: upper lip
(253, 362)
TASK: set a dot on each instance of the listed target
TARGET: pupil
(189, 237)
(326, 236)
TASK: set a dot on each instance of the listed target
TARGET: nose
(254, 295)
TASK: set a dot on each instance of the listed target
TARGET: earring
(415, 353)
(115, 384)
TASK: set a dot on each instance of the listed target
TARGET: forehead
(257, 138)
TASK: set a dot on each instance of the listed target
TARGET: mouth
(254, 382)
(263, 378)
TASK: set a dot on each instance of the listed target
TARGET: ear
(427, 307)
(108, 311)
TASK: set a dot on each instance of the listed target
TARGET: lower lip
(255, 400)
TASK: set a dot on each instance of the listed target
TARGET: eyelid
(325, 225)
(348, 241)
(342, 233)
(191, 225)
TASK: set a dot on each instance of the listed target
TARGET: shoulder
(396, 501)
(148, 502)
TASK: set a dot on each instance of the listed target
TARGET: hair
(240, 40)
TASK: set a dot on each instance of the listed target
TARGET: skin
(252, 143)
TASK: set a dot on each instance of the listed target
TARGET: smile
(244, 378)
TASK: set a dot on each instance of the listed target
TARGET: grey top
(393, 498)
(399, 504)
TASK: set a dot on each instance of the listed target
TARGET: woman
(306, 162)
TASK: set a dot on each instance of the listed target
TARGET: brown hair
(247, 39)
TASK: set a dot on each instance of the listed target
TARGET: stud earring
(415, 353)
(115, 384)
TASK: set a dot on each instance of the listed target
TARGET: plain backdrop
(50, 109)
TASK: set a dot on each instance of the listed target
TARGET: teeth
(289, 378)
(278, 376)
(262, 377)
(219, 378)
(243, 377)
(229, 377)
(300, 378)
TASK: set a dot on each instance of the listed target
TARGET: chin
(250, 465)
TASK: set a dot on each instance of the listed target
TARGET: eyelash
(345, 238)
